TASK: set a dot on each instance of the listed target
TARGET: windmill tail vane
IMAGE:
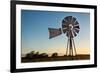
(53, 32)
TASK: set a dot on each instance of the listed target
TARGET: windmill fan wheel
(70, 26)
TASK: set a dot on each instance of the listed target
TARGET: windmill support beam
(74, 47)
(71, 50)
(67, 48)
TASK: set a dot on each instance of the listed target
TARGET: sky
(35, 34)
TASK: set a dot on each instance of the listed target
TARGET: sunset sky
(35, 35)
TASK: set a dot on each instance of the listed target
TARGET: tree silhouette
(30, 55)
(54, 55)
(32, 52)
(36, 55)
(43, 55)
(33, 55)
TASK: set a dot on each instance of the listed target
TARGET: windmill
(70, 27)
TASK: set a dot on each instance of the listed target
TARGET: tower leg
(74, 47)
(70, 48)
(72, 51)
(67, 48)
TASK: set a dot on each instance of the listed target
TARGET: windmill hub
(70, 27)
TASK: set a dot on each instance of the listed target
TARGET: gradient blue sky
(35, 35)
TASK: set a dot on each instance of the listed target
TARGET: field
(56, 58)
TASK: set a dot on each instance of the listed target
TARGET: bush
(54, 55)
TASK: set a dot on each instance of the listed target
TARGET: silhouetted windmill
(70, 27)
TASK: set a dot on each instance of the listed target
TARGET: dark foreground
(58, 58)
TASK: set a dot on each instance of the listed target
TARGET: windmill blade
(64, 22)
(76, 23)
(76, 30)
(77, 27)
(69, 18)
(64, 26)
(53, 32)
(65, 30)
(75, 34)
(73, 19)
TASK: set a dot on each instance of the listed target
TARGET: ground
(57, 58)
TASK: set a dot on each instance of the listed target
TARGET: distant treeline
(43, 57)
(34, 54)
